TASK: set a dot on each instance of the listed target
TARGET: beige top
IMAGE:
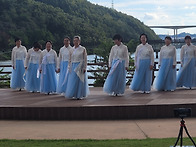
(168, 52)
(144, 52)
(32, 57)
(48, 57)
(18, 53)
(187, 52)
(65, 54)
(119, 52)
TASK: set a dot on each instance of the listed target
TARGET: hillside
(41, 20)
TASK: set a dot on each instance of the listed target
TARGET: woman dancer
(18, 56)
(186, 76)
(32, 83)
(118, 63)
(77, 86)
(144, 61)
(64, 58)
(166, 79)
(48, 62)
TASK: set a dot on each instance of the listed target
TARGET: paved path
(126, 129)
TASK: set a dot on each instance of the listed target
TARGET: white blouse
(32, 57)
(168, 52)
(18, 54)
(119, 52)
(144, 52)
(50, 57)
(187, 52)
(65, 54)
(79, 54)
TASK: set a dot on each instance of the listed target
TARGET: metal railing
(97, 70)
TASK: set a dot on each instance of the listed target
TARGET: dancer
(166, 79)
(144, 62)
(32, 83)
(18, 56)
(77, 85)
(64, 58)
(118, 63)
(48, 66)
(186, 76)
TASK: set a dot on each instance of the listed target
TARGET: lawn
(93, 143)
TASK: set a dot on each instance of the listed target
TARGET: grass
(93, 143)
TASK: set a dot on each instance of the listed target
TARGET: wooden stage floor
(22, 105)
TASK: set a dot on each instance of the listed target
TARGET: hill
(41, 20)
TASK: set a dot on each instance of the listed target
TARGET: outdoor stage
(22, 105)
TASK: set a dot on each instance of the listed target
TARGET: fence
(100, 69)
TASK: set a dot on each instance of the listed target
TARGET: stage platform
(22, 105)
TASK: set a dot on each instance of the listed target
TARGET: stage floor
(13, 98)
(98, 105)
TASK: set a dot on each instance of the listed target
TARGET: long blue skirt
(142, 77)
(116, 80)
(48, 79)
(186, 76)
(17, 80)
(166, 79)
(32, 81)
(75, 87)
(62, 82)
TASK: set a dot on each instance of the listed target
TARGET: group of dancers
(36, 70)
(144, 64)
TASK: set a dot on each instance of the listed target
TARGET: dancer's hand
(58, 70)
(126, 68)
(181, 65)
(151, 67)
(174, 66)
(84, 70)
(40, 71)
(13, 67)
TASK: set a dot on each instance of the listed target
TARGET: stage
(22, 105)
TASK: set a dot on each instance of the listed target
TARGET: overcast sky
(157, 12)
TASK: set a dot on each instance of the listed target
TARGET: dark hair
(17, 39)
(37, 45)
(118, 37)
(169, 38)
(67, 37)
(143, 34)
(78, 37)
(187, 37)
(49, 41)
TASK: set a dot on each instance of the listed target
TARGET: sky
(157, 12)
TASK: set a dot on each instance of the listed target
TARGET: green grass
(93, 143)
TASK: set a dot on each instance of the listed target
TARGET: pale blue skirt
(17, 79)
(75, 87)
(166, 79)
(186, 75)
(116, 80)
(48, 79)
(142, 78)
(32, 83)
(62, 82)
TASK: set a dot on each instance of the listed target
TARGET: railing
(103, 70)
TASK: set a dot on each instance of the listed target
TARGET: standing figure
(77, 84)
(144, 62)
(118, 63)
(18, 56)
(32, 83)
(186, 76)
(64, 58)
(48, 66)
(166, 79)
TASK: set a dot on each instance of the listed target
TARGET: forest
(41, 20)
